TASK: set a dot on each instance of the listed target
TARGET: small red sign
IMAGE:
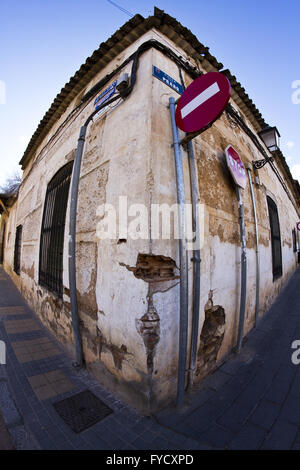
(202, 102)
(236, 167)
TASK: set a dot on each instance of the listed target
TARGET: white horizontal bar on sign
(200, 99)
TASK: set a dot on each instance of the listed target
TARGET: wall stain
(87, 301)
(119, 354)
(29, 272)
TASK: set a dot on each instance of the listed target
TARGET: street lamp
(270, 137)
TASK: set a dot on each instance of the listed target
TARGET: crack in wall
(159, 272)
(148, 326)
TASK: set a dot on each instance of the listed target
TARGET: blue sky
(43, 43)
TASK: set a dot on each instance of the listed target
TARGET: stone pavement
(5, 439)
(252, 401)
(39, 372)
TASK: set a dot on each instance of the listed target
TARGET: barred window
(275, 239)
(2, 241)
(53, 228)
(17, 254)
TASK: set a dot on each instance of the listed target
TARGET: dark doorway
(275, 239)
(2, 240)
(18, 246)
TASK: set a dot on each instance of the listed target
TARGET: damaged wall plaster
(159, 272)
(211, 338)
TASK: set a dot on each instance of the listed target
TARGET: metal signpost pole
(298, 239)
(238, 173)
(183, 261)
(257, 248)
(243, 269)
(198, 107)
(196, 264)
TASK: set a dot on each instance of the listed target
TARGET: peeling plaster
(211, 337)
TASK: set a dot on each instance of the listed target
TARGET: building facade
(128, 284)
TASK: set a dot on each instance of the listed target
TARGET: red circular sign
(236, 166)
(202, 102)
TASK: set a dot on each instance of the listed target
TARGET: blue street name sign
(105, 95)
(156, 72)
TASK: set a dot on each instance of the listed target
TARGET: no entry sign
(236, 167)
(202, 102)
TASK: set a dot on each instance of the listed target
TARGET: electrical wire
(121, 8)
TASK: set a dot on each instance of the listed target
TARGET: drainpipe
(249, 169)
(196, 256)
(72, 234)
(196, 266)
(243, 270)
(124, 92)
(183, 322)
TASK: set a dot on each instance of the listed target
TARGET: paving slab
(5, 438)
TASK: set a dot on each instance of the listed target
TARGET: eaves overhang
(6, 201)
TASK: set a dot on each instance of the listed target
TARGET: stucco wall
(130, 322)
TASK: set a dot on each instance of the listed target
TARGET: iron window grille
(275, 239)
(17, 254)
(53, 228)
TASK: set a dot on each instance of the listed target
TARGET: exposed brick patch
(153, 268)
(211, 338)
